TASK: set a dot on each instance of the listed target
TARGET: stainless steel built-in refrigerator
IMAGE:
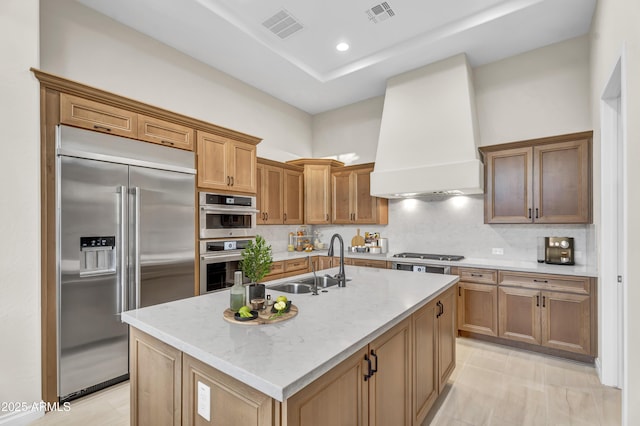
(126, 239)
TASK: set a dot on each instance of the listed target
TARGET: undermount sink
(305, 285)
(323, 282)
(292, 287)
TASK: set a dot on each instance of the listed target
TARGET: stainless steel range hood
(428, 136)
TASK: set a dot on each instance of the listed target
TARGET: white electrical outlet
(204, 398)
(497, 250)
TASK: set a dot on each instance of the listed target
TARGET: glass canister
(238, 293)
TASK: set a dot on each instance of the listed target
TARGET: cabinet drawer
(277, 271)
(569, 284)
(91, 115)
(371, 263)
(165, 133)
(296, 265)
(483, 276)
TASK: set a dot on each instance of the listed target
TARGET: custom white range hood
(428, 136)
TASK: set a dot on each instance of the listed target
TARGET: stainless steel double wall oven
(227, 224)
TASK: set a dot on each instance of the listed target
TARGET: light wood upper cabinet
(163, 132)
(80, 112)
(293, 197)
(226, 165)
(269, 195)
(352, 201)
(317, 189)
(539, 181)
(280, 193)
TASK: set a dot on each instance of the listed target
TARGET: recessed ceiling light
(342, 47)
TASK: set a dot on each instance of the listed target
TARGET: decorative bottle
(237, 292)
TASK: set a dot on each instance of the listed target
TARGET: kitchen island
(190, 366)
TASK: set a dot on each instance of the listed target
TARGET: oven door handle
(230, 209)
(218, 258)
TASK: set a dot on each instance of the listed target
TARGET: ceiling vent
(283, 24)
(380, 12)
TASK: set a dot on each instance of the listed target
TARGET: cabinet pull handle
(232, 180)
(167, 143)
(267, 215)
(285, 216)
(477, 275)
(369, 373)
(459, 291)
(543, 301)
(540, 281)
(106, 129)
(228, 180)
(537, 217)
(374, 370)
(440, 309)
(538, 300)
(327, 215)
(529, 213)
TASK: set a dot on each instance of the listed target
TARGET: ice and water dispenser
(97, 255)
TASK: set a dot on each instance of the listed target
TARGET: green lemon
(244, 309)
(282, 299)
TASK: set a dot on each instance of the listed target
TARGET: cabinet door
(163, 132)
(325, 262)
(213, 168)
(364, 205)
(276, 272)
(317, 194)
(478, 308)
(156, 381)
(390, 385)
(242, 166)
(562, 182)
(425, 361)
(519, 317)
(447, 332)
(231, 402)
(566, 322)
(293, 197)
(91, 115)
(272, 195)
(508, 197)
(342, 209)
(340, 397)
(260, 193)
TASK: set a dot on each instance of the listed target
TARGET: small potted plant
(256, 263)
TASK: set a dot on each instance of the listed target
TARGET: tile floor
(491, 385)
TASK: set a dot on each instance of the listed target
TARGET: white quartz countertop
(507, 265)
(280, 359)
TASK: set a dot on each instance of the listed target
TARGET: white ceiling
(305, 70)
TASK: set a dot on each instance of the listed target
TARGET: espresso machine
(559, 250)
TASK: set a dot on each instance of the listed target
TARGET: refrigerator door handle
(136, 243)
(120, 248)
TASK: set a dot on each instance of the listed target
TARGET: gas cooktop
(429, 256)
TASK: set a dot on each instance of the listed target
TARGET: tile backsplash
(453, 225)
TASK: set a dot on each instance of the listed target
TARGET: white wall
(349, 134)
(540, 93)
(80, 44)
(614, 31)
(20, 206)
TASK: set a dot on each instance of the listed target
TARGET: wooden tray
(263, 316)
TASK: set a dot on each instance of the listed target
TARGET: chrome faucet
(314, 289)
(340, 276)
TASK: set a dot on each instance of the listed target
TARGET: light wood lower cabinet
(348, 396)
(478, 308)
(230, 402)
(393, 380)
(369, 263)
(552, 319)
(155, 374)
(434, 352)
